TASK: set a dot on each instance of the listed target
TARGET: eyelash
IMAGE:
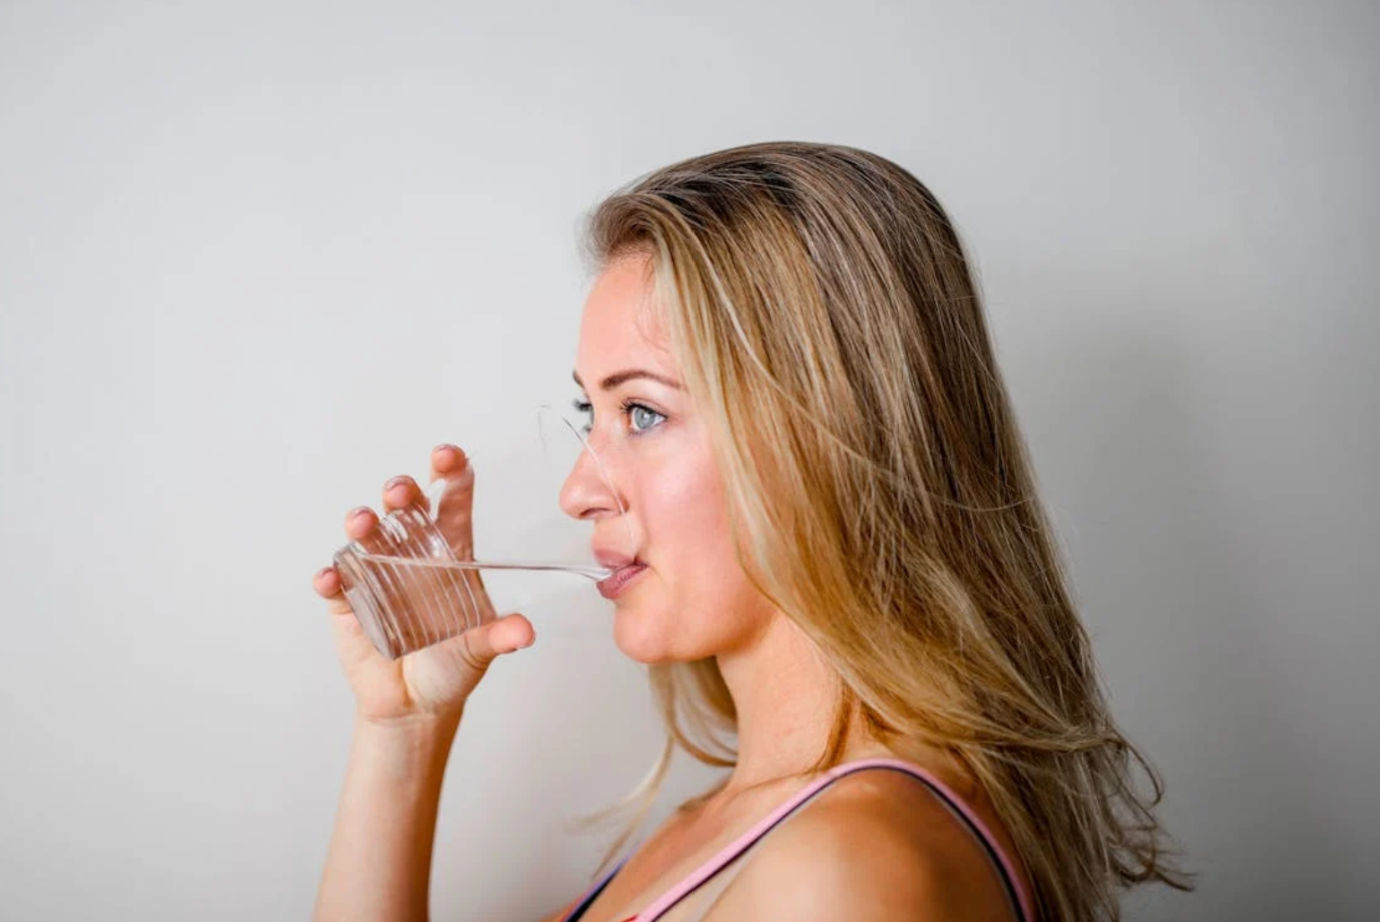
(626, 407)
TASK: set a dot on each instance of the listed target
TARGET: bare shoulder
(873, 846)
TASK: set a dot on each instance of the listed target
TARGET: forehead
(621, 324)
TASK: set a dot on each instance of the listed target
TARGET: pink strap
(728, 852)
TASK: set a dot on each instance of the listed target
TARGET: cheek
(687, 529)
(698, 601)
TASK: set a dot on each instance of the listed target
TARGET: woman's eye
(642, 418)
(584, 406)
(635, 408)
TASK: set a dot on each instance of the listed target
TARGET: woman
(842, 563)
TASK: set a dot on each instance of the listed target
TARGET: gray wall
(259, 257)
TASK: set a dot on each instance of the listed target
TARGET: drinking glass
(415, 580)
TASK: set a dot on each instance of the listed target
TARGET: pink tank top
(1018, 896)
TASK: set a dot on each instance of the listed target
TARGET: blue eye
(629, 408)
(583, 406)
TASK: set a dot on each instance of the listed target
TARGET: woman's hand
(435, 681)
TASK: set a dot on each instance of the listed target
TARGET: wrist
(413, 747)
(410, 725)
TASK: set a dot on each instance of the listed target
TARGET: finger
(455, 502)
(362, 526)
(401, 491)
(486, 643)
(447, 460)
(327, 584)
(359, 521)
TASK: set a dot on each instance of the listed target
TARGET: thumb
(487, 642)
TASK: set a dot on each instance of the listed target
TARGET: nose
(587, 492)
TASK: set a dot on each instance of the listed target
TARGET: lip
(612, 586)
(607, 557)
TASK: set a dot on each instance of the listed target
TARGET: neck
(784, 694)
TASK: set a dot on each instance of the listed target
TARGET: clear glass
(415, 581)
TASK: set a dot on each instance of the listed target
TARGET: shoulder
(872, 846)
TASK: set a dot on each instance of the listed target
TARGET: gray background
(259, 257)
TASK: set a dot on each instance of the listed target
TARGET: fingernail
(455, 452)
(322, 572)
(396, 482)
(358, 511)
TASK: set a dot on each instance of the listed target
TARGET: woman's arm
(378, 866)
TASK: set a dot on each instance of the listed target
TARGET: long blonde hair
(823, 313)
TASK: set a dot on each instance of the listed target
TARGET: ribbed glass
(404, 607)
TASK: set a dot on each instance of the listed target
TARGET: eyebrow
(620, 377)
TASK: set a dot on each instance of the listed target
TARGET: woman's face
(692, 600)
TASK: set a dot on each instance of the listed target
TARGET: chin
(637, 645)
(635, 635)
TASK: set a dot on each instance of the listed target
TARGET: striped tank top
(711, 878)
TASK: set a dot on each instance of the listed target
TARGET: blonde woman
(845, 586)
